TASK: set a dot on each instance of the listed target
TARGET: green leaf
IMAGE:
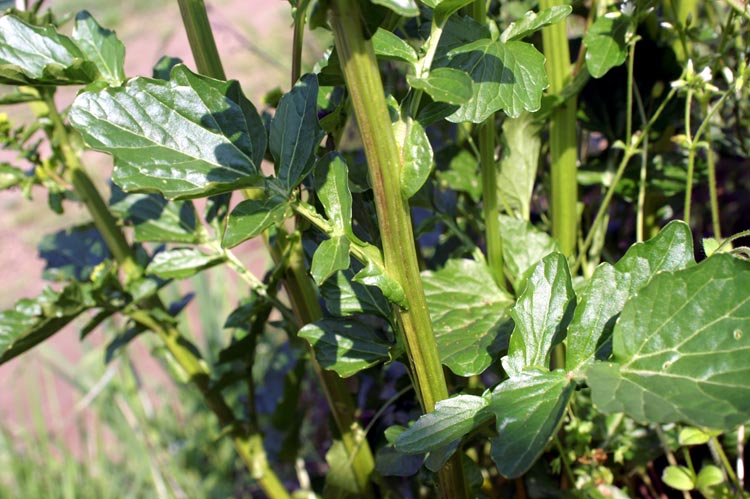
(156, 219)
(682, 344)
(415, 154)
(373, 274)
(444, 85)
(446, 8)
(31, 55)
(32, 321)
(529, 409)
(610, 287)
(344, 297)
(190, 137)
(181, 263)
(532, 22)
(605, 43)
(101, 46)
(332, 186)
(451, 420)
(541, 315)
(678, 477)
(10, 176)
(463, 175)
(469, 315)
(389, 46)
(407, 8)
(331, 256)
(345, 346)
(340, 482)
(507, 76)
(523, 246)
(708, 476)
(72, 253)
(295, 132)
(253, 216)
(518, 165)
(693, 436)
(391, 462)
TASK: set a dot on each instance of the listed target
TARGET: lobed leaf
(608, 290)
(190, 137)
(680, 349)
(529, 409)
(469, 315)
(101, 46)
(541, 315)
(345, 346)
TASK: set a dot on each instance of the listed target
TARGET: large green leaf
(451, 420)
(529, 409)
(532, 22)
(31, 55)
(541, 315)
(344, 297)
(345, 346)
(101, 46)
(186, 138)
(253, 216)
(32, 321)
(681, 349)
(444, 85)
(507, 76)
(469, 315)
(522, 144)
(181, 263)
(331, 256)
(72, 253)
(295, 132)
(610, 287)
(155, 219)
(605, 43)
(523, 246)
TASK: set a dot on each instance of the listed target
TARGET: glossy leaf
(522, 145)
(251, 217)
(532, 22)
(181, 263)
(469, 315)
(31, 55)
(331, 256)
(605, 43)
(101, 46)
(600, 303)
(523, 246)
(295, 132)
(186, 138)
(345, 346)
(415, 154)
(529, 409)
(389, 46)
(155, 219)
(32, 321)
(541, 315)
(506, 76)
(446, 8)
(407, 8)
(680, 349)
(332, 186)
(451, 420)
(444, 85)
(72, 253)
(344, 297)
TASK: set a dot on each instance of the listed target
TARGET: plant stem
(691, 158)
(562, 136)
(366, 89)
(201, 38)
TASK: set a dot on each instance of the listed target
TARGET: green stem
(366, 89)
(299, 30)
(562, 137)
(691, 158)
(201, 38)
(728, 468)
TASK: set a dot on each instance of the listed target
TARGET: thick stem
(201, 38)
(562, 137)
(366, 89)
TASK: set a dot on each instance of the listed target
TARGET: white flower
(628, 8)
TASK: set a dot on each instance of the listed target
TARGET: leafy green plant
(416, 265)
